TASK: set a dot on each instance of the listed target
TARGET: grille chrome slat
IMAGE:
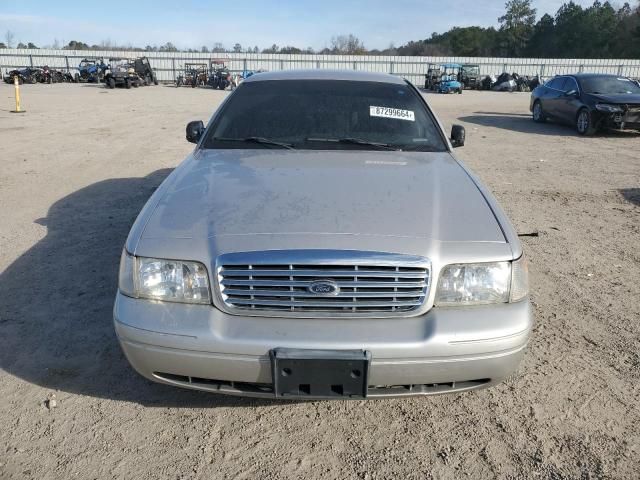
(322, 273)
(302, 283)
(322, 304)
(283, 283)
(303, 294)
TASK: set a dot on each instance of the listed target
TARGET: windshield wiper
(259, 140)
(354, 141)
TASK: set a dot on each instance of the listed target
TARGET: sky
(192, 24)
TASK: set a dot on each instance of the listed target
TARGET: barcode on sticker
(388, 112)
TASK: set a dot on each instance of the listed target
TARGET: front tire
(538, 113)
(127, 83)
(584, 123)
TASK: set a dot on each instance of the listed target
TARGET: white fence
(170, 64)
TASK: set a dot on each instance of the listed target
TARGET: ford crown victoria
(323, 241)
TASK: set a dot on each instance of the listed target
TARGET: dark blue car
(589, 102)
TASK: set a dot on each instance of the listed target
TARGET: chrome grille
(363, 287)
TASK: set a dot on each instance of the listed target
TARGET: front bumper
(444, 350)
(628, 120)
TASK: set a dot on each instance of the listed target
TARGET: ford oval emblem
(327, 288)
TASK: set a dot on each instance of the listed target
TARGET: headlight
(605, 107)
(166, 280)
(482, 283)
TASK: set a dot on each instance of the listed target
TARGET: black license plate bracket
(302, 373)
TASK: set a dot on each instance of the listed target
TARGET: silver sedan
(323, 241)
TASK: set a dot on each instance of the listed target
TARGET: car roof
(587, 75)
(319, 74)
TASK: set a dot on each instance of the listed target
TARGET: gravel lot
(79, 165)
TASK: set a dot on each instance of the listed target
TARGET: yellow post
(16, 84)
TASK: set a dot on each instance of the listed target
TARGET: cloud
(23, 19)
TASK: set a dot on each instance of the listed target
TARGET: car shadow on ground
(631, 195)
(517, 122)
(523, 123)
(56, 326)
(525, 115)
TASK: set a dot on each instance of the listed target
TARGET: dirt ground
(79, 165)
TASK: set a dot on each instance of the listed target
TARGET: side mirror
(458, 136)
(195, 131)
(571, 93)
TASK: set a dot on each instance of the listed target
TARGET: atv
(143, 69)
(449, 79)
(443, 78)
(122, 73)
(47, 75)
(25, 75)
(194, 74)
(432, 77)
(219, 76)
(91, 70)
(469, 76)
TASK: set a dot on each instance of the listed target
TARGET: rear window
(321, 114)
(609, 85)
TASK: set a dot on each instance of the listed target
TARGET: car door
(551, 103)
(569, 103)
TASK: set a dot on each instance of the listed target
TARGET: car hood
(623, 98)
(320, 194)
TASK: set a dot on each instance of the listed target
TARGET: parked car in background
(323, 241)
(589, 102)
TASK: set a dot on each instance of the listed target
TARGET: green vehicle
(469, 76)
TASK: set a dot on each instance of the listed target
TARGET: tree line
(597, 31)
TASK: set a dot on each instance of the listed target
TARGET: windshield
(325, 114)
(472, 70)
(609, 85)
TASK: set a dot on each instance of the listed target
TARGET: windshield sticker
(387, 112)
